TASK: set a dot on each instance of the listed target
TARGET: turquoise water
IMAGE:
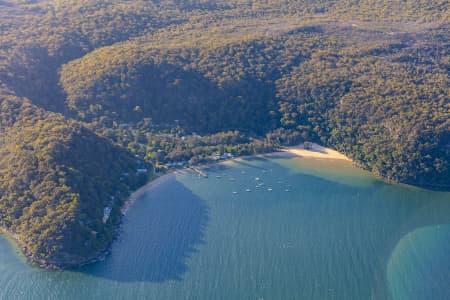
(307, 229)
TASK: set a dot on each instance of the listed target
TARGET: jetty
(199, 172)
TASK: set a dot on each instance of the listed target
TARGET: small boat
(248, 190)
(257, 179)
(269, 189)
(235, 193)
(232, 179)
(218, 176)
(287, 190)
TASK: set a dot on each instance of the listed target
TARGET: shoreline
(315, 151)
(143, 189)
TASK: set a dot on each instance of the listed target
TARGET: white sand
(316, 151)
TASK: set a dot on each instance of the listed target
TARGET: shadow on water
(159, 234)
(356, 229)
(248, 162)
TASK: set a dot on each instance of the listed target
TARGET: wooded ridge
(94, 93)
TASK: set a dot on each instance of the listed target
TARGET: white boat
(269, 189)
(248, 190)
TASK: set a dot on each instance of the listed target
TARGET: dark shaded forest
(92, 91)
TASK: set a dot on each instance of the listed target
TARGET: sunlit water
(280, 228)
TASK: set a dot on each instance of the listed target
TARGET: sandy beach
(314, 151)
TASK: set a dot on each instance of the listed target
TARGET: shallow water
(306, 229)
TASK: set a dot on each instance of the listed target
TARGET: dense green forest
(56, 179)
(384, 103)
(91, 91)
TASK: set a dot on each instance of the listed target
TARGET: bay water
(263, 228)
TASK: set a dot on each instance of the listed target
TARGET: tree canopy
(91, 91)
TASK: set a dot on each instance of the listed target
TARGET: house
(106, 214)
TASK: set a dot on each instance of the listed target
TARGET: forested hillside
(92, 90)
(56, 179)
(379, 99)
